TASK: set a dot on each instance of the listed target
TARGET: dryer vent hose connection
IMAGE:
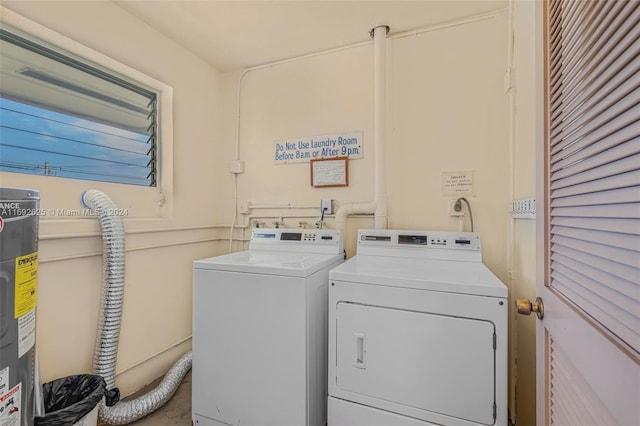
(106, 350)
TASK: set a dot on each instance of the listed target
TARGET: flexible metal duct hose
(106, 351)
(125, 412)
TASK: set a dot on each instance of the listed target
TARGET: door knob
(525, 307)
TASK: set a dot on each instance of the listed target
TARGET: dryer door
(414, 360)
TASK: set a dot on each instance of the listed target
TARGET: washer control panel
(271, 238)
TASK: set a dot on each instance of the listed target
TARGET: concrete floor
(176, 412)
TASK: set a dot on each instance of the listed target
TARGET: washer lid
(426, 274)
(269, 263)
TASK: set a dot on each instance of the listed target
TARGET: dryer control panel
(420, 244)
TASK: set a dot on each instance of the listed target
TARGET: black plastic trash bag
(69, 399)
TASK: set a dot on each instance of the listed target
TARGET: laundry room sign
(302, 150)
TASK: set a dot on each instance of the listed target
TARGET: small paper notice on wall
(457, 183)
(330, 172)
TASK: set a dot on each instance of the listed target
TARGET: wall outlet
(451, 208)
(326, 206)
(237, 167)
(245, 207)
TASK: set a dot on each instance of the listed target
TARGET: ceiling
(239, 34)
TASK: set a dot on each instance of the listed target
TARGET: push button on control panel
(438, 241)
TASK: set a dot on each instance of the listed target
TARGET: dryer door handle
(360, 350)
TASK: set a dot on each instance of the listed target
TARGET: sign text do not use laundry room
(302, 150)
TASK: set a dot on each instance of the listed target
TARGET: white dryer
(417, 333)
(260, 330)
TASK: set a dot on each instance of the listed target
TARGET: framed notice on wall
(328, 172)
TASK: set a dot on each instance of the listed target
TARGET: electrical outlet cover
(327, 206)
(450, 208)
(237, 166)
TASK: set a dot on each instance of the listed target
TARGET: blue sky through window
(43, 142)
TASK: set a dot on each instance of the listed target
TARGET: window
(65, 116)
(90, 107)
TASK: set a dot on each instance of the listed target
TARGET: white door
(583, 377)
(418, 360)
(588, 274)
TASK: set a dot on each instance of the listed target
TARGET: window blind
(594, 160)
(63, 116)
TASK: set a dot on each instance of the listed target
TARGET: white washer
(417, 333)
(260, 330)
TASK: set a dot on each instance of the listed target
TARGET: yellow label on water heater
(26, 284)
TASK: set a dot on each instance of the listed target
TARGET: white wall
(156, 324)
(318, 95)
(447, 112)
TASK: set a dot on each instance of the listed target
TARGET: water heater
(18, 296)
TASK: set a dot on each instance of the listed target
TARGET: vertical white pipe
(378, 205)
(380, 123)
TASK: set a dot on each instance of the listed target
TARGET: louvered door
(589, 338)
